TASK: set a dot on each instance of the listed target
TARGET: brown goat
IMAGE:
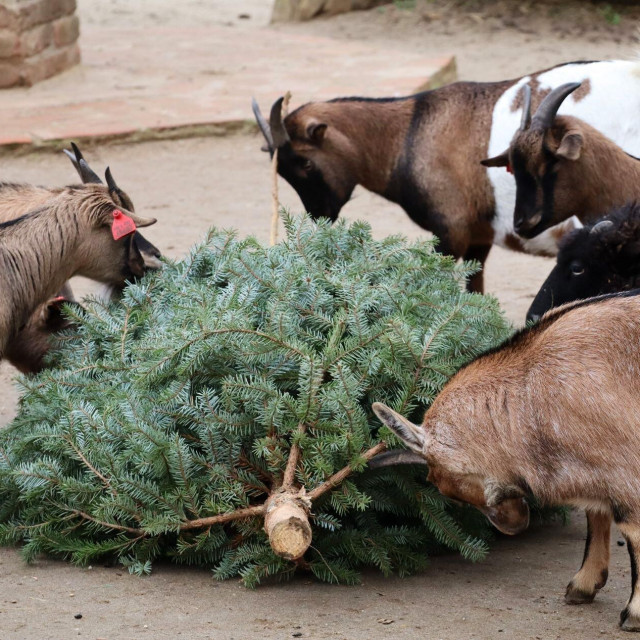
(77, 232)
(553, 413)
(27, 349)
(564, 167)
(423, 151)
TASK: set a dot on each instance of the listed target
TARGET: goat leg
(594, 571)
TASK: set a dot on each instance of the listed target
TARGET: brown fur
(27, 350)
(70, 235)
(28, 347)
(422, 152)
(601, 178)
(554, 412)
(367, 141)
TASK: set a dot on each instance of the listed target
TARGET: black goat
(600, 258)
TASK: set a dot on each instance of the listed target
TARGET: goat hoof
(629, 622)
(574, 595)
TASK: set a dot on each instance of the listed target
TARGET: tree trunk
(286, 522)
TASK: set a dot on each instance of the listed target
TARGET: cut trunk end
(287, 524)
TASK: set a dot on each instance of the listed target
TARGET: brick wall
(293, 10)
(38, 38)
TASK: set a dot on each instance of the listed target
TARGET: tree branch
(292, 463)
(249, 512)
(338, 477)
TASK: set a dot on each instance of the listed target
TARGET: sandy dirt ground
(190, 185)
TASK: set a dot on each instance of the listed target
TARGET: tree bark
(286, 522)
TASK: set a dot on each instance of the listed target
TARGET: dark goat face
(541, 157)
(309, 159)
(322, 185)
(603, 258)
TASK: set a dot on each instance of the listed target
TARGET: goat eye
(577, 269)
(308, 165)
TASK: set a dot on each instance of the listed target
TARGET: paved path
(158, 79)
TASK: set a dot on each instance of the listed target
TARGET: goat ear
(316, 131)
(135, 259)
(501, 160)
(571, 146)
(142, 222)
(411, 434)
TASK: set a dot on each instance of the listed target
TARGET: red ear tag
(509, 170)
(122, 225)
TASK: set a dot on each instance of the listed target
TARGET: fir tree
(231, 393)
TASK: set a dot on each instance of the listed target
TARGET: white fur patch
(612, 106)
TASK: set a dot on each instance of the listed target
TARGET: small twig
(345, 472)
(104, 479)
(292, 463)
(274, 199)
(109, 525)
(275, 212)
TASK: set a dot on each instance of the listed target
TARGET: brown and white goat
(77, 232)
(554, 413)
(423, 151)
(564, 167)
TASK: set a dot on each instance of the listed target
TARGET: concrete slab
(164, 81)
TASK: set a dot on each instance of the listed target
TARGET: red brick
(35, 40)
(66, 30)
(48, 63)
(9, 43)
(9, 74)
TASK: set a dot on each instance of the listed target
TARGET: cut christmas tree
(220, 414)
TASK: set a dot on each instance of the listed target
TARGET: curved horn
(278, 132)
(396, 456)
(87, 175)
(548, 108)
(111, 183)
(263, 124)
(601, 226)
(526, 108)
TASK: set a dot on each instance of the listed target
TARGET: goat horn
(548, 108)
(278, 132)
(526, 108)
(601, 226)
(111, 183)
(396, 456)
(87, 175)
(263, 124)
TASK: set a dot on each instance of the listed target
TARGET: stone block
(49, 63)
(35, 40)
(9, 74)
(9, 43)
(32, 12)
(297, 10)
(333, 7)
(66, 30)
